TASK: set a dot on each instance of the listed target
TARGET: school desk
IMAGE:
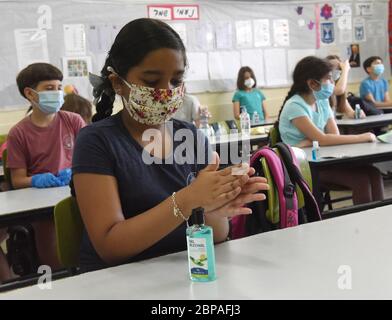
(342, 258)
(348, 154)
(386, 110)
(265, 122)
(26, 205)
(347, 126)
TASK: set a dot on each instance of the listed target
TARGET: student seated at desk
(77, 104)
(40, 146)
(137, 210)
(248, 96)
(306, 116)
(338, 99)
(375, 88)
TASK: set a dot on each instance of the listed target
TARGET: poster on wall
(74, 39)
(76, 67)
(354, 55)
(281, 32)
(31, 46)
(262, 36)
(359, 30)
(327, 33)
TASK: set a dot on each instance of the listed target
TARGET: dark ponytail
(134, 41)
(104, 95)
(306, 69)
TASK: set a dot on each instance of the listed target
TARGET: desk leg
(316, 187)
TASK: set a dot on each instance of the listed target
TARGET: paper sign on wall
(31, 46)
(74, 39)
(345, 23)
(364, 9)
(281, 32)
(224, 35)
(244, 34)
(190, 12)
(327, 30)
(261, 29)
(76, 67)
(204, 36)
(343, 9)
(173, 12)
(359, 30)
(160, 12)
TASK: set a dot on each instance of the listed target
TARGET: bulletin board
(220, 37)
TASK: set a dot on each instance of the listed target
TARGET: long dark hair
(134, 41)
(241, 78)
(306, 69)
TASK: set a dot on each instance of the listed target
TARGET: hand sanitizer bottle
(315, 150)
(357, 111)
(200, 242)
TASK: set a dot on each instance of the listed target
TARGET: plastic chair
(273, 136)
(69, 230)
(7, 171)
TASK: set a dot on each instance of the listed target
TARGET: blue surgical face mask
(378, 69)
(50, 101)
(325, 91)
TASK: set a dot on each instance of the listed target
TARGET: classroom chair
(69, 229)
(7, 171)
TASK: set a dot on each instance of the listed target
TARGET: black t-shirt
(107, 148)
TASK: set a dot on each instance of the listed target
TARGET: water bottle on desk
(357, 111)
(245, 122)
(255, 118)
(204, 117)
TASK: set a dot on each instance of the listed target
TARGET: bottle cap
(197, 216)
(315, 144)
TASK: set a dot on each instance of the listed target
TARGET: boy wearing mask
(375, 88)
(40, 146)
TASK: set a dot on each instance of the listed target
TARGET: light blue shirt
(252, 101)
(297, 107)
(376, 87)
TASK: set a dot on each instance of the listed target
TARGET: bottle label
(197, 255)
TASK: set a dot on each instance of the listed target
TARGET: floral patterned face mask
(153, 106)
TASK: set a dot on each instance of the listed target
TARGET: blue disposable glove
(45, 180)
(65, 176)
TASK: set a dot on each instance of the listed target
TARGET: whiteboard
(268, 36)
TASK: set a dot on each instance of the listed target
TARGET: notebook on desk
(386, 137)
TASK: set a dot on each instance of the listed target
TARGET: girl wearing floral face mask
(137, 208)
(248, 96)
(306, 116)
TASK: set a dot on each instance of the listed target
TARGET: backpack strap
(290, 161)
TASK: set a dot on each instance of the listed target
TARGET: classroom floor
(342, 204)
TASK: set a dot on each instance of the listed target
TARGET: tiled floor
(338, 194)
